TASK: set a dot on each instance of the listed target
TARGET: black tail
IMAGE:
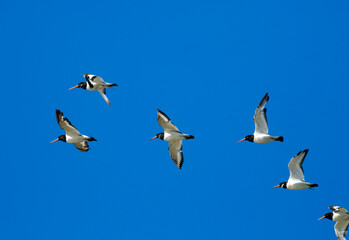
(187, 136)
(313, 185)
(112, 85)
(280, 139)
(91, 139)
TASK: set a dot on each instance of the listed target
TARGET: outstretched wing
(165, 122)
(82, 146)
(65, 124)
(341, 228)
(103, 92)
(295, 166)
(176, 154)
(260, 117)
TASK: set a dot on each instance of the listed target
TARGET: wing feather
(260, 116)
(82, 146)
(295, 166)
(176, 154)
(65, 124)
(341, 228)
(103, 93)
(165, 122)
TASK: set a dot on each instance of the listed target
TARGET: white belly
(262, 138)
(74, 139)
(168, 136)
(297, 185)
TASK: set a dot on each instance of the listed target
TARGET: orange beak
(153, 138)
(277, 186)
(242, 140)
(55, 140)
(74, 87)
(321, 218)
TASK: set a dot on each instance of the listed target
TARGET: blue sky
(206, 64)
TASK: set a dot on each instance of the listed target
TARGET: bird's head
(248, 138)
(60, 138)
(159, 135)
(328, 216)
(281, 185)
(80, 85)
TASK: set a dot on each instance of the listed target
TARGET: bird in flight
(261, 134)
(72, 135)
(173, 136)
(341, 216)
(296, 180)
(93, 83)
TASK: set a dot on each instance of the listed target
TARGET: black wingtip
(304, 151)
(92, 139)
(189, 137)
(112, 85)
(313, 185)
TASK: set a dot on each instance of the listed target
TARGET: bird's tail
(280, 139)
(91, 139)
(187, 136)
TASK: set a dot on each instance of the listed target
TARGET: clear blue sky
(206, 64)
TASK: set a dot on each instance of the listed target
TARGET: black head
(60, 138)
(80, 85)
(281, 185)
(159, 135)
(248, 138)
(328, 216)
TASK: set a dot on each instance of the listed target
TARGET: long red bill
(55, 140)
(74, 87)
(321, 218)
(153, 138)
(277, 186)
(242, 140)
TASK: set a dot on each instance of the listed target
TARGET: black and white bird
(173, 136)
(261, 134)
(72, 135)
(296, 180)
(93, 83)
(341, 216)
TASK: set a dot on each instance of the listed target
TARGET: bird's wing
(260, 116)
(65, 124)
(176, 154)
(82, 146)
(338, 209)
(341, 228)
(103, 92)
(89, 79)
(165, 122)
(97, 79)
(295, 166)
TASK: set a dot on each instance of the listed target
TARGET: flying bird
(261, 134)
(72, 135)
(296, 180)
(173, 136)
(93, 83)
(341, 216)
